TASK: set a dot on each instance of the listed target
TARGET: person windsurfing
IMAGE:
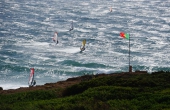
(55, 38)
(82, 48)
(31, 81)
(71, 27)
(110, 9)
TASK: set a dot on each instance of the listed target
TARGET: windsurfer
(83, 48)
(34, 83)
(110, 9)
(31, 78)
(71, 28)
(55, 38)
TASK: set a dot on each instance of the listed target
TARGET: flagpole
(130, 68)
(127, 36)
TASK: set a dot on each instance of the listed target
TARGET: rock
(1, 88)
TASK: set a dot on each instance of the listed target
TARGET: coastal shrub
(164, 99)
(28, 96)
(121, 105)
(121, 92)
(105, 93)
(75, 89)
(126, 81)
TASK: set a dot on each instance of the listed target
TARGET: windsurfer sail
(82, 48)
(31, 81)
(55, 38)
(71, 27)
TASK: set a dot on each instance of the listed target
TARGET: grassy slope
(119, 92)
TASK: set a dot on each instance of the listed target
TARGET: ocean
(27, 28)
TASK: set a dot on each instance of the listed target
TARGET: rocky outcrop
(1, 88)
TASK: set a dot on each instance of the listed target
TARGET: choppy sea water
(27, 28)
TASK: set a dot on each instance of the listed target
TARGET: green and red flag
(124, 35)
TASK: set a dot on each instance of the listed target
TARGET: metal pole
(130, 69)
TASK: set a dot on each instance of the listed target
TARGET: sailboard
(55, 38)
(31, 81)
(82, 48)
(71, 26)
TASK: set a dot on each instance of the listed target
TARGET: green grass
(126, 92)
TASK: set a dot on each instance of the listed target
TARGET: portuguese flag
(124, 35)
